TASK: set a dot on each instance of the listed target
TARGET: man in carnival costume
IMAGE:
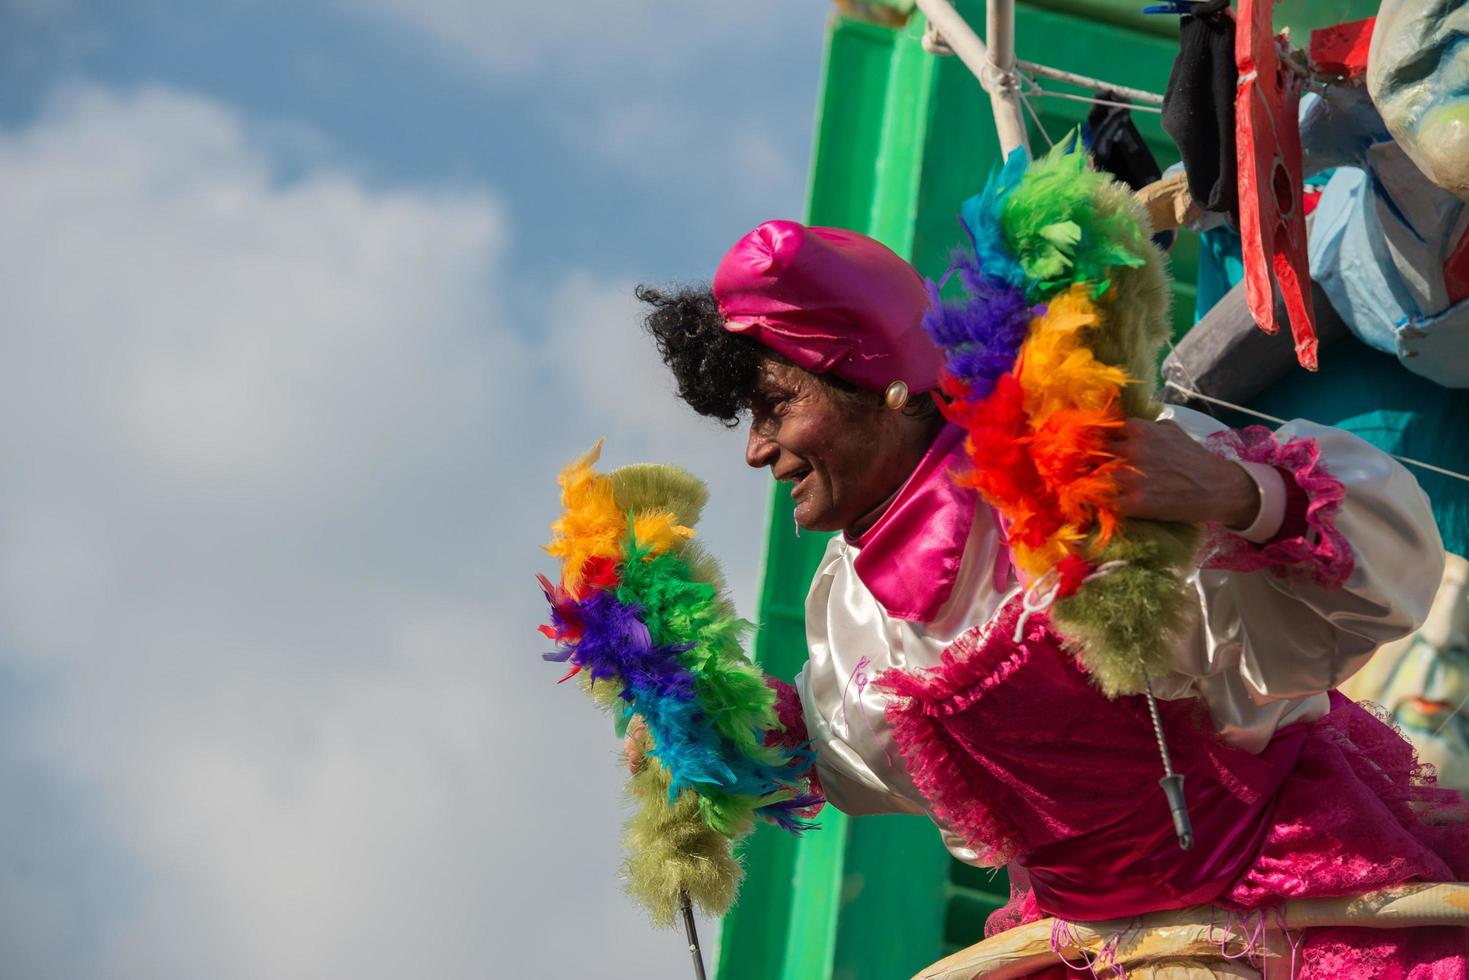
(930, 690)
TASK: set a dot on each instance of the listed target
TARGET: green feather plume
(1123, 626)
(1055, 228)
(1068, 223)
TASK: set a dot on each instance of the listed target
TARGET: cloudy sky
(303, 305)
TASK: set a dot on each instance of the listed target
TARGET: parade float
(915, 108)
(901, 134)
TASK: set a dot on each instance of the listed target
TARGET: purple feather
(616, 645)
(786, 815)
(980, 336)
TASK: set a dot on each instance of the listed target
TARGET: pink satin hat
(830, 301)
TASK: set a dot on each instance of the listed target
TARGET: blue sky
(304, 305)
(629, 137)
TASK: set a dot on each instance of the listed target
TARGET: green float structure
(902, 137)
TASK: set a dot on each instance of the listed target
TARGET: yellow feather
(591, 524)
(1055, 369)
(660, 532)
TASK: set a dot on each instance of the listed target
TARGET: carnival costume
(934, 688)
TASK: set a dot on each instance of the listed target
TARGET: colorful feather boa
(1055, 345)
(641, 614)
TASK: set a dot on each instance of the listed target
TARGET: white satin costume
(1261, 654)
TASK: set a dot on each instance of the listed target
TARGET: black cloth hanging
(1117, 146)
(1198, 106)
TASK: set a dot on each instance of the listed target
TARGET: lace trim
(792, 718)
(1322, 550)
(970, 667)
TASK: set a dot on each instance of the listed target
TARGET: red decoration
(1268, 153)
(1456, 270)
(1342, 50)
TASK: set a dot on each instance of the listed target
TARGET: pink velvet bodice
(1017, 752)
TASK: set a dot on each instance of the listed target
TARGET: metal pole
(1005, 94)
(1096, 84)
(1171, 782)
(1000, 82)
(692, 933)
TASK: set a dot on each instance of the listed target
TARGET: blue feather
(981, 218)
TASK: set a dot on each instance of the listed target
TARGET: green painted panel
(781, 898)
(894, 886)
(784, 924)
(812, 943)
(1121, 13)
(849, 123)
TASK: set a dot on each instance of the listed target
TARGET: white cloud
(580, 35)
(276, 474)
(693, 97)
(668, 143)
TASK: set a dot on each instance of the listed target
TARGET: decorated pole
(691, 932)
(643, 619)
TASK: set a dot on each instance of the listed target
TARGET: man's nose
(761, 449)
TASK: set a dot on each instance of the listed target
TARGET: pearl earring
(896, 396)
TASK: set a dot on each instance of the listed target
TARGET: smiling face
(844, 456)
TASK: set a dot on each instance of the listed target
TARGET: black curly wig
(717, 370)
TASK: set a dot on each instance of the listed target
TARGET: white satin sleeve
(1261, 654)
(1267, 646)
(851, 640)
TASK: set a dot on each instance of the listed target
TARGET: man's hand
(1169, 477)
(635, 744)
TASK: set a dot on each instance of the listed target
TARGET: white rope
(1041, 594)
(1037, 597)
(1224, 404)
(994, 73)
(1279, 421)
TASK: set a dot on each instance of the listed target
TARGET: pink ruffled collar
(910, 558)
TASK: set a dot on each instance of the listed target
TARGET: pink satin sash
(910, 558)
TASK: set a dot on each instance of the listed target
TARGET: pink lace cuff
(1313, 545)
(792, 719)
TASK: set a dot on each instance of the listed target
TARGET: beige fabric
(1168, 203)
(1188, 942)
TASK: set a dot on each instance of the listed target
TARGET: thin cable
(1192, 378)
(1224, 404)
(1279, 421)
(1038, 124)
(691, 933)
(1095, 101)
(1457, 708)
(1046, 71)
